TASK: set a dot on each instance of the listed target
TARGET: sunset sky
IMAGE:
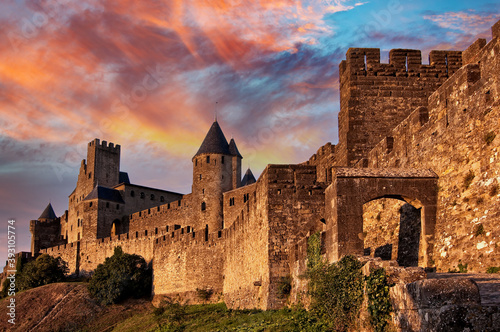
(147, 75)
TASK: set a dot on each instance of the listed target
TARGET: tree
(121, 276)
(42, 271)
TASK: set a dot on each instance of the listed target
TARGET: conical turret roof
(214, 142)
(234, 149)
(48, 213)
(248, 178)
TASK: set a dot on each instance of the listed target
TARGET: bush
(336, 292)
(379, 305)
(42, 271)
(493, 269)
(121, 276)
(204, 294)
(284, 286)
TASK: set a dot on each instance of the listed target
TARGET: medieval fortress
(414, 178)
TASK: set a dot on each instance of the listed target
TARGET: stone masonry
(415, 177)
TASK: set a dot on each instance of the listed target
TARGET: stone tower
(375, 97)
(216, 169)
(45, 231)
(102, 167)
(233, 149)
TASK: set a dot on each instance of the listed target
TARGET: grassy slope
(69, 307)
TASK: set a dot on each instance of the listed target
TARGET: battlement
(402, 62)
(104, 145)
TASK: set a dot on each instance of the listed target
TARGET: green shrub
(493, 269)
(336, 292)
(204, 293)
(468, 179)
(284, 286)
(314, 259)
(120, 276)
(379, 305)
(42, 271)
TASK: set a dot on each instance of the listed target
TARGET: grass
(216, 317)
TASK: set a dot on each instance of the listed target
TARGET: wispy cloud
(470, 21)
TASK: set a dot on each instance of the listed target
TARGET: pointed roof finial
(216, 110)
(48, 213)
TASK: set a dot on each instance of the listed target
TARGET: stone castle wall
(375, 97)
(454, 137)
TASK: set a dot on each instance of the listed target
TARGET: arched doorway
(391, 230)
(351, 188)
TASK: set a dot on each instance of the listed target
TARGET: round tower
(212, 176)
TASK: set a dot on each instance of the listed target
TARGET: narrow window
(107, 204)
(196, 162)
(168, 207)
(203, 191)
(156, 230)
(117, 206)
(208, 159)
(146, 232)
(178, 203)
(200, 176)
(203, 206)
(152, 197)
(143, 195)
(90, 175)
(158, 209)
(222, 160)
(132, 193)
(136, 235)
(206, 233)
(279, 191)
(90, 204)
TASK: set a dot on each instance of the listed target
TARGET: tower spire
(216, 110)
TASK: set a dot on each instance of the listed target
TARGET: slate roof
(106, 194)
(48, 213)
(214, 142)
(123, 178)
(234, 149)
(248, 178)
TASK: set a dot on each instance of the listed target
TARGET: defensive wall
(456, 135)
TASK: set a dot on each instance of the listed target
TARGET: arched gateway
(353, 187)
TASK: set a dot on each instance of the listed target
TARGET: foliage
(336, 292)
(42, 271)
(379, 306)
(284, 286)
(489, 137)
(462, 268)
(468, 179)
(204, 293)
(120, 276)
(314, 260)
(493, 269)
(216, 317)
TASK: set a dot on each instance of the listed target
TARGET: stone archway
(351, 188)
